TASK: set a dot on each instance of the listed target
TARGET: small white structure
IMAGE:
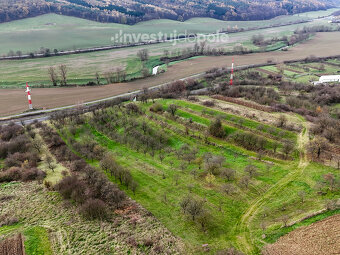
(155, 70)
(327, 79)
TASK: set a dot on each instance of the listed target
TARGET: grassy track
(37, 242)
(245, 241)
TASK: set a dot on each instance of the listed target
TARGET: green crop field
(62, 32)
(66, 33)
(165, 180)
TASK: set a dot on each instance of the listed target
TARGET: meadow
(67, 33)
(240, 212)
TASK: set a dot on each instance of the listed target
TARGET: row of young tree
(119, 74)
(137, 131)
(56, 76)
(85, 185)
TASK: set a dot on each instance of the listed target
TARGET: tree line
(133, 12)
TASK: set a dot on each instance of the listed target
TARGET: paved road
(42, 115)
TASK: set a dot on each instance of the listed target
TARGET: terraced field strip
(293, 70)
(148, 172)
(237, 120)
(261, 70)
(156, 178)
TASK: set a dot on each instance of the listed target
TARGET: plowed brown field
(320, 238)
(12, 246)
(14, 100)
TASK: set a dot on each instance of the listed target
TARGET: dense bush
(261, 95)
(94, 209)
(21, 174)
(250, 141)
(156, 107)
(21, 159)
(216, 129)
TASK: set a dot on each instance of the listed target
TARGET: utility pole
(28, 90)
(232, 73)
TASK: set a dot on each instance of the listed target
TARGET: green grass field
(62, 32)
(55, 31)
(163, 183)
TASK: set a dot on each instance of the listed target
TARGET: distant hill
(133, 11)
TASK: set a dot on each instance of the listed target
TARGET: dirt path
(292, 70)
(245, 240)
(266, 71)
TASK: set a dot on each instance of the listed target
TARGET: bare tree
(282, 121)
(317, 146)
(97, 78)
(143, 55)
(228, 188)
(202, 45)
(330, 178)
(145, 72)
(245, 181)
(53, 75)
(172, 109)
(285, 219)
(63, 74)
(36, 144)
(251, 170)
(50, 163)
(228, 173)
(287, 148)
(133, 187)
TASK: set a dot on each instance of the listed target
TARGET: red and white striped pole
(232, 73)
(28, 90)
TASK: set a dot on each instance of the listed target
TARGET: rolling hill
(131, 12)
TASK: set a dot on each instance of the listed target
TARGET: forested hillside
(130, 12)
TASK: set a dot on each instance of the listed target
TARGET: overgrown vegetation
(186, 159)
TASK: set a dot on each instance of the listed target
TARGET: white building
(327, 79)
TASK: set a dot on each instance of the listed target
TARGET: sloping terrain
(134, 11)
